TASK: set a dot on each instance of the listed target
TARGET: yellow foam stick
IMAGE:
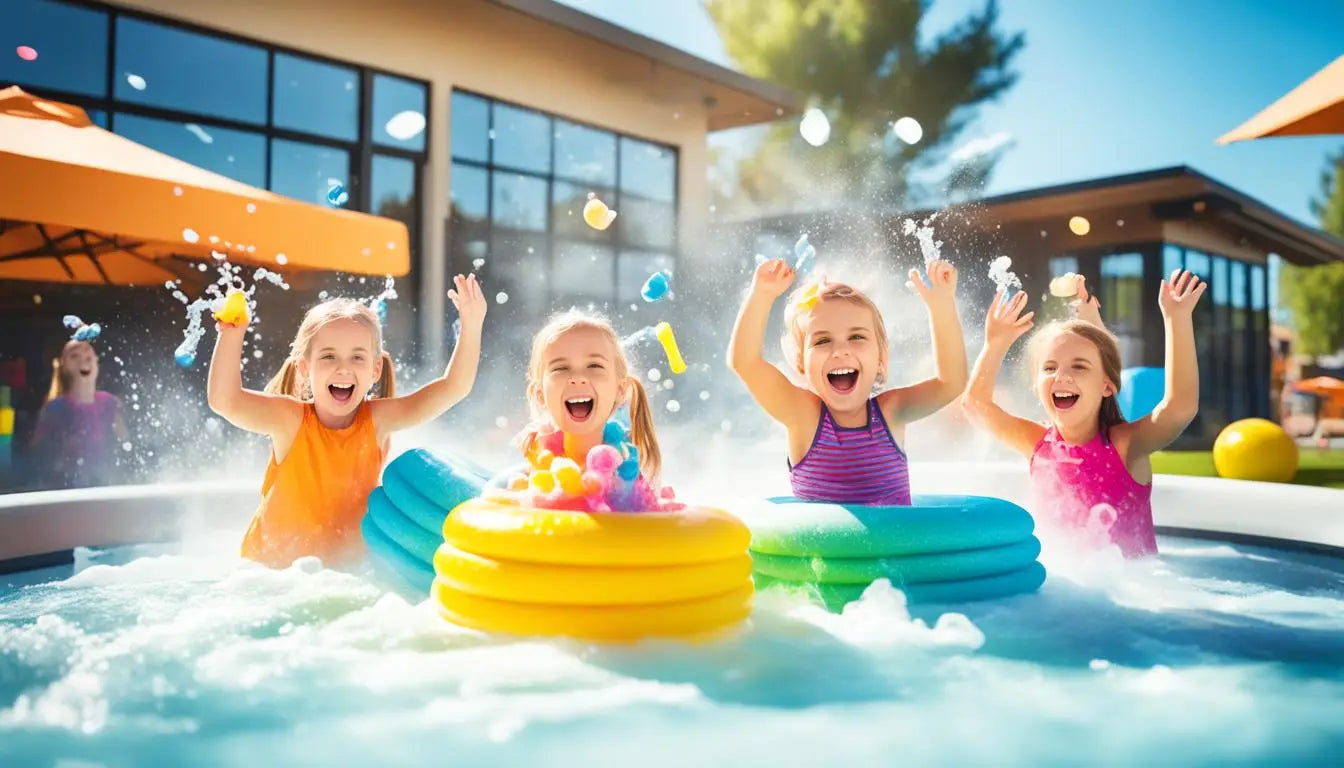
(568, 476)
(809, 298)
(542, 481)
(234, 311)
(665, 337)
(597, 215)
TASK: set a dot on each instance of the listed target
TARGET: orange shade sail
(79, 204)
(1315, 107)
(1321, 385)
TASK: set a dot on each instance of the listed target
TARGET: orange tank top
(313, 500)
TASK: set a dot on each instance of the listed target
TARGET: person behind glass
(79, 426)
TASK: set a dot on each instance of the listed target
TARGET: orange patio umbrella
(1321, 385)
(1313, 108)
(79, 204)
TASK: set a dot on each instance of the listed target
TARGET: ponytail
(58, 385)
(286, 381)
(641, 433)
(386, 386)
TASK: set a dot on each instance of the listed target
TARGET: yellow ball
(1255, 449)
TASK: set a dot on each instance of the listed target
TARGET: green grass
(1315, 466)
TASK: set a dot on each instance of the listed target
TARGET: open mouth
(85, 371)
(843, 380)
(341, 393)
(579, 408)
(1063, 401)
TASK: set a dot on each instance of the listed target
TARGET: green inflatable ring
(786, 526)
(906, 569)
(836, 596)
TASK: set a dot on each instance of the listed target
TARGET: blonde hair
(641, 415)
(826, 290)
(60, 379)
(287, 380)
(1107, 349)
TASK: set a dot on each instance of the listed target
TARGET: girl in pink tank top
(1090, 472)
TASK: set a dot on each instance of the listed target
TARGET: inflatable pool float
(404, 522)
(608, 576)
(940, 549)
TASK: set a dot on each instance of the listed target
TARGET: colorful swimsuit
(853, 465)
(1088, 488)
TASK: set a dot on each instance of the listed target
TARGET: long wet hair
(61, 380)
(288, 381)
(827, 290)
(641, 415)
(1107, 349)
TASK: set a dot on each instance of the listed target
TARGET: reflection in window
(585, 154)
(70, 42)
(175, 69)
(1063, 265)
(1121, 296)
(1219, 282)
(1240, 374)
(240, 155)
(392, 190)
(1172, 260)
(470, 193)
(398, 113)
(1198, 263)
(519, 202)
(316, 97)
(99, 117)
(647, 223)
(307, 171)
(470, 127)
(1257, 288)
(584, 271)
(648, 170)
(522, 139)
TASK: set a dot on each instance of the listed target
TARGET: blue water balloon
(656, 287)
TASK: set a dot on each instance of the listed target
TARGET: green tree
(863, 64)
(1315, 295)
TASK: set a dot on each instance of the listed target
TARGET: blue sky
(1119, 86)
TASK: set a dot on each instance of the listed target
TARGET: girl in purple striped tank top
(845, 442)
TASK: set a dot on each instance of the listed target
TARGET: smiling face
(842, 356)
(1071, 381)
(582, 380)
(79, 363)
(341, 366)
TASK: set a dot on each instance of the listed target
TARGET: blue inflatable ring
(444, 483)
(412, 538)
(390, 559)
(787, 526)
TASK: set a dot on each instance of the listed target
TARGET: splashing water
(379, 303)
(928, 247)
(230, 278)
(1001, 274)
(805, 254)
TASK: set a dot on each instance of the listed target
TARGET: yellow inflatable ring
(691, 535)
(587, 585)
(612, 623)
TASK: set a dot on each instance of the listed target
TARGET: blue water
(1213, 654)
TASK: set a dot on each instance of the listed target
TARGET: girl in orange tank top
(329, 413)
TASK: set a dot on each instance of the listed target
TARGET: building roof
(734, 99)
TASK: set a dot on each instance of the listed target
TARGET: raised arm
(1085, 306)
(259, 412)
(906, 404)
(1180, 400)
(768, 386)
(1004, 324)
(436, 397)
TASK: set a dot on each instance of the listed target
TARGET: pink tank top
(1086, 488)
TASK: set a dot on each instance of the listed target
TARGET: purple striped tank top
(853, 465)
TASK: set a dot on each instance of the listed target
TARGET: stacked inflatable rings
(941, 549)
(615, 576)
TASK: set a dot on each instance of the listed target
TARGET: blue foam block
(1141, 389)
(445, 483)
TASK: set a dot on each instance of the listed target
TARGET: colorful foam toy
(82, 331)
(669, 341)
(606, 479)
(234, 309)
(596, 214)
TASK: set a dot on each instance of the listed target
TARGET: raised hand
(1180, 294)
(466, 295)
(941, 289)
(1005, 323)
(1085, 305)
(773, 277)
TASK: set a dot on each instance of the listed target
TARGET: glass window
(1198, 263)
(648, 170)
(1172, 260)
(1257, 288)
(585, 154)
(519, 202)
(307, 171)
(315, 97)
(69, 43)
(392, 191)
(240, 155)
(633, 269)
(1238, 284)
(1121, 295)
(646, 223)
(398, 113)
(471, 189)
(175, 69)
(583, 271)
(99, 117)
(522, 139)
(519, 265)
(1063, 265)
(567, 201)
(1219, 282)
(470, 127)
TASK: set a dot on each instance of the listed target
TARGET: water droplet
(190, 235)
(135, 81)
(477, 263)
(673, 406)
(502, 422)
(405, 125)
(501, 297)
(704, 394)
(725, 426)
(281, 259)
(655, 374)
(256, 353)
(908, 129)
(815, 128)
(126, 446)
(177, 191)
(251, 207)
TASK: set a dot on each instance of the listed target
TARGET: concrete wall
(494, 51)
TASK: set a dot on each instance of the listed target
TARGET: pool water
(1211, 654)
